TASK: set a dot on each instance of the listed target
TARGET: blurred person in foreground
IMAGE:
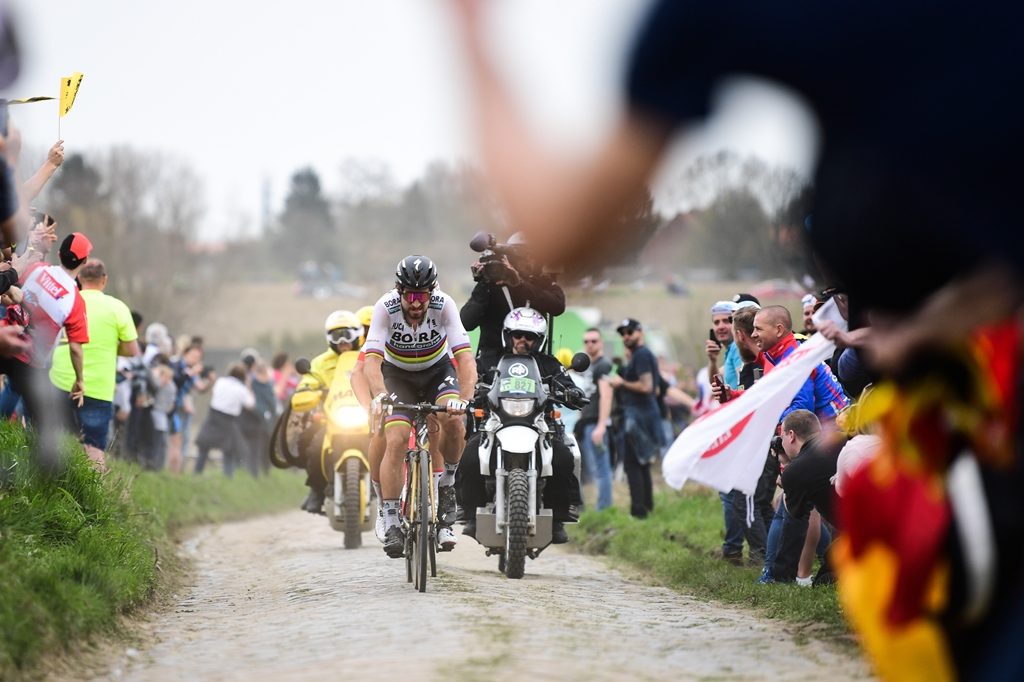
(918, 183)
(112, 334)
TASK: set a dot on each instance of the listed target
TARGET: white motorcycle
(516, 450)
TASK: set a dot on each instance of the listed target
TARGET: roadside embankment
(679, 545)
(81, 548)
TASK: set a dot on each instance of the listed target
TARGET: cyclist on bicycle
(414, 334)
(344, 334)
(523, 333)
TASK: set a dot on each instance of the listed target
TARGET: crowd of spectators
(71, 358)
(789, 521)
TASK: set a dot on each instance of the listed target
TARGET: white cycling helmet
(525, 320)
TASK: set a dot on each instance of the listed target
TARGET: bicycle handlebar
(422, 408)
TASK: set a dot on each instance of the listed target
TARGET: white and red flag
(725, 449)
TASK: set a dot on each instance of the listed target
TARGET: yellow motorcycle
(349, 504)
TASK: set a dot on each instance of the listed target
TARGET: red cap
(75, 248)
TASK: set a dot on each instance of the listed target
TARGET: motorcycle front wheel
(351, 504)
(517, 527)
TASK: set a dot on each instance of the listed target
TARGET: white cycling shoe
(381, 527)
(445, 539)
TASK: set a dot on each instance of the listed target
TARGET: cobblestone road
(277, 598)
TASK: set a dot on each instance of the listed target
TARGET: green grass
(81, 548)
(679, 545)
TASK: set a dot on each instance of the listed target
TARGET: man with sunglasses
(415, 332)
(721, 337)
(636, 386)
(523, 333)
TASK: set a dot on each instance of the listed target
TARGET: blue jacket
(731, 366)
(820, 394)
(829, 398)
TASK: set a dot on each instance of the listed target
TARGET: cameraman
(506, 278)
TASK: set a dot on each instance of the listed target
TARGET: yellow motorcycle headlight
(350, 417)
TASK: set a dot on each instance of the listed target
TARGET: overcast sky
(248, 92)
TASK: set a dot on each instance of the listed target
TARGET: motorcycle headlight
(350, 417)
(517, 407)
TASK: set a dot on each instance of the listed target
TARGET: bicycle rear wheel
(425, 520)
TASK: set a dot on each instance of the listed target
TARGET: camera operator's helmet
(524, 320)
(416, 272)
(343, 326)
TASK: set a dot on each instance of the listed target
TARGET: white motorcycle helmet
(343, 325)
(524, 320)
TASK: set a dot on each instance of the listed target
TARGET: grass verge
(679, 545)
(79, 549)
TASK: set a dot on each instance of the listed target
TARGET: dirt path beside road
(276, 598)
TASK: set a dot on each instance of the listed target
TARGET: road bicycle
(418, 502)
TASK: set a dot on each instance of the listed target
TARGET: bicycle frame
(418, 500)
(420, 442)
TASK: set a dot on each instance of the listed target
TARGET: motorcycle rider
(414, 334)
(344, 334)
(523, 333)
(503, 284)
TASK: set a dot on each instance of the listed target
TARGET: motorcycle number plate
(517, 385)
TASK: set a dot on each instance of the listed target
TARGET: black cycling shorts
(435, 385)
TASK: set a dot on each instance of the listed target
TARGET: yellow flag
(68, 90)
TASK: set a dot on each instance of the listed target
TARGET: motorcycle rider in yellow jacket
(344, 334)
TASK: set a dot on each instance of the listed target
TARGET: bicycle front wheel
(426, 518)
(409, 511)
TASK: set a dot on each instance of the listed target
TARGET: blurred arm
(567, 210)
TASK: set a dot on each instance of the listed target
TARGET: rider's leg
(437, 466)
(396, 435)
(469, 483)
(453, 438)
(452, 441)
(316, 478)
(376, 455)
(563, 489)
